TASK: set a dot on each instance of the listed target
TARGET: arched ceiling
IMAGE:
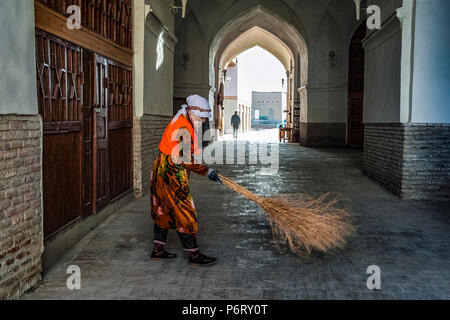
(239, 33)
(257, 36)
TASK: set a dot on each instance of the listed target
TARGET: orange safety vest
(170, 145)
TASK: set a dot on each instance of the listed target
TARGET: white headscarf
(195, 101)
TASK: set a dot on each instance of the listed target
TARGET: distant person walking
(236, 123)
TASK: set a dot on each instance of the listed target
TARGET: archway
(284, 41)
(254, 86)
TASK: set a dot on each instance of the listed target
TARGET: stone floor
(267, 135)
(409, 241)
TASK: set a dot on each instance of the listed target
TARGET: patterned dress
(172, 205)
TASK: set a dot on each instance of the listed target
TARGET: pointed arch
(259, 16)
(257, 36)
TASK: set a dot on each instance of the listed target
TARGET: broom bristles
(302, 222)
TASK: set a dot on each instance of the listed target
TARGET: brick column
(21, 217)
(411, 160)
(147, 134)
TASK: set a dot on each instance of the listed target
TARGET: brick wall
(383, 154)
(148, 131)
(426, 167)
(21, 228)
(411, 160)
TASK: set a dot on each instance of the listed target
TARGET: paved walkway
(409, 241)
(267, 136)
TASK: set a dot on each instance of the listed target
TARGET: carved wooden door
(101, 134)
(60, 101)
(120, 124)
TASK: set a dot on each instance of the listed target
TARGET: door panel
(101, 134)
(120, 116)
(61, 183)
(355, 127)
(88, 109)
(60, 100)
(356, 119)
(82, 107)
(120, 160)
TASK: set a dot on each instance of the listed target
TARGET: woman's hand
(213, 175)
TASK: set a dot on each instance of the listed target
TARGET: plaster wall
(431, 74)
(264, 101)
(159, 48)
(18, 94)
(231, 86)
(388, 8)
(383, 69)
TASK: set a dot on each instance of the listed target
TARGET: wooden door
(101, 134)
(60, 101)
(120, 117)
(355, 127)
(88, 125)
(87, 115)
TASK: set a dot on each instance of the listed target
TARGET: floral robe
(172, 206)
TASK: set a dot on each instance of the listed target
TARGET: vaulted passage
(88, 88)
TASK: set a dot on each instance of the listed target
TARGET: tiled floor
(408, 240)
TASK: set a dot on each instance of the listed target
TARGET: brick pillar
(147, 135)
(411, 160)
(21, 217)
(137, 150)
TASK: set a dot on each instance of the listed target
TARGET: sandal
(163, 255)
(202, 260)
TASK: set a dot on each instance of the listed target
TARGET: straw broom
(302, 222)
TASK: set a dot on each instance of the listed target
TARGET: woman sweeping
(172, 205)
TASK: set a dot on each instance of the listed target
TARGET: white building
(267, 107)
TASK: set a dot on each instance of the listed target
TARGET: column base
(314, 134)
(21, 228)
(410, 160)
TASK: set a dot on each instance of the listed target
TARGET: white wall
(230, 107)
(231, 87)
(407, 65)
(18, 93)
(263, 102)
(431, 73)
(327, 89)
(190, 42)
(383, 68)
(159, 48)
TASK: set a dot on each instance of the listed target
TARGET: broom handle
(239, 189)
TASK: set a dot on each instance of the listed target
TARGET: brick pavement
(408, 240)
